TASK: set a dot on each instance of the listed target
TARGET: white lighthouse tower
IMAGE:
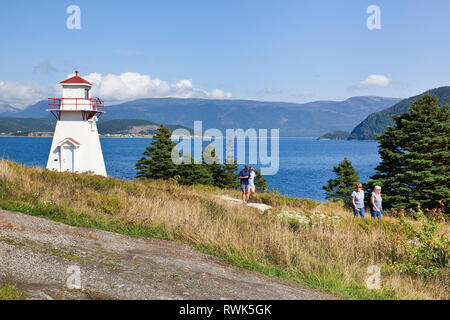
(76, 145)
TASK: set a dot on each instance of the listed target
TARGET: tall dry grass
(332, 257)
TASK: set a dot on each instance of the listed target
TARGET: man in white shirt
(251, 183)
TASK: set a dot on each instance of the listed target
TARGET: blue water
(306, 164)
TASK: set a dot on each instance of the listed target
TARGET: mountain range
(377, 122)
(7, 108)
(132, 126)
(309, 119)
(25, 125)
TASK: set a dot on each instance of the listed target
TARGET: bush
(108, 204)
(277, 200)
(215, 210)
(426, 253)
(343, 185)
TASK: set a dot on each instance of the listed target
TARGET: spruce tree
(415, 157)
(224, 175)
(231, 175)
(191, 173)
(342, 187)
(157, 161)
(260, 181)
(213, 164)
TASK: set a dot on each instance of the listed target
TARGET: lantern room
(76, 96)
(76, 87)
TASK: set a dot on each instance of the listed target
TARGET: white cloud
(131, 85)
(23, 94)
(111, 87)
(374, 80)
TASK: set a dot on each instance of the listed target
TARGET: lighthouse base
(76, 145)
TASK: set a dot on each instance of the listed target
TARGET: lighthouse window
(86, 93)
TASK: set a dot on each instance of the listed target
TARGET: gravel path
(260, 206)
(35, 255)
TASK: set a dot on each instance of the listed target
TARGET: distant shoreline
(149, 137)
(5, 136)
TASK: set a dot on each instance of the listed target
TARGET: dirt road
(39, 256)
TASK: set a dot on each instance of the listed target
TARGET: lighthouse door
(67, 158)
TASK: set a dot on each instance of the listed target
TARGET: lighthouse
(76, 144)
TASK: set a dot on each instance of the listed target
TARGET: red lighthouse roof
(75, 80)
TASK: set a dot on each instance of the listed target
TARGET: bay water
(305, 164)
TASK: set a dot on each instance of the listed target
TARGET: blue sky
(267, 50)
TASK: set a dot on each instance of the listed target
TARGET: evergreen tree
(224, 175)
(191, 173)
(212, 163)
(260, 181)
(157, 161)
(343, 186)
(230, 180)
(415, 157)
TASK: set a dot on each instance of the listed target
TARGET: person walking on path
(251, 184)
(376, 203)
(358, 201)
(244, 175)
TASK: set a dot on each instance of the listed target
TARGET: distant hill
(35, 111)
(132, 126)
(310, 119)
(377, 122)
(335, 135)
(4, 107)
(25, 125)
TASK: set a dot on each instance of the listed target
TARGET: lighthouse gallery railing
(88, 107)
(80, 104)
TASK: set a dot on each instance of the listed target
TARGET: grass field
(315, 250)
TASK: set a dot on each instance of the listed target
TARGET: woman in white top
(358, 201)
(376, 203)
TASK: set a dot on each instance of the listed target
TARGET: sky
(283, 50)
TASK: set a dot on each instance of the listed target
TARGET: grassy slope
(330, 258)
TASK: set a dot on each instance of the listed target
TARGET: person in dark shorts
(243, 176)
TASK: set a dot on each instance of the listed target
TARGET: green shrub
(132, 189)
(294, 224)
(112, 204)
(203, 187)
(108, 204)
(98, 183)
(215, 210)
(426, 253)
(277, 200)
